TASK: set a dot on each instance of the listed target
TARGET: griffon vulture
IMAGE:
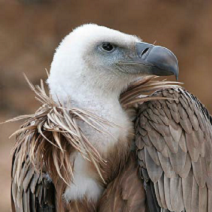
(100, 143)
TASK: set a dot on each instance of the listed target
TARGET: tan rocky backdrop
(30, 30)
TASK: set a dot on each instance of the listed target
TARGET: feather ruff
(48, 136)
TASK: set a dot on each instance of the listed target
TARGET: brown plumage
(41, 166)
(173, 139)
(125, 193)
(172, 146)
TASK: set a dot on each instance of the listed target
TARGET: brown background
(30, 30)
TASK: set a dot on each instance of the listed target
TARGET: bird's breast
(111, 141)
(117, 127)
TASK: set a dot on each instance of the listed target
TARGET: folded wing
(31, 191)
(174, 149)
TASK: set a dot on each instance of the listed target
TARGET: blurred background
(30, 30)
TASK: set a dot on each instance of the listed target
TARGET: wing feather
(203, 199)
(153, 169)
(161, 190)
(167, 192)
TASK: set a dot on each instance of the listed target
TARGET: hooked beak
(151, 60)
(160, 61)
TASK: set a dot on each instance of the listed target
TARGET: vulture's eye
(108, 47)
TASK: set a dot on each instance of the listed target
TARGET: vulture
(110, 136)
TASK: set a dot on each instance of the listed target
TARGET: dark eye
(108, 47)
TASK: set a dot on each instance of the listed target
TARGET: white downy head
(81, 67)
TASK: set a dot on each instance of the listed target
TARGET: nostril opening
(144, 51)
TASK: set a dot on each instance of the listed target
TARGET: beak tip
(176, 71)
(165, 60)
(177, 76)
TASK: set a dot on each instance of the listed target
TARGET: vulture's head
(104, 61)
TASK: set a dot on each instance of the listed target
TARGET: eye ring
(107, 47)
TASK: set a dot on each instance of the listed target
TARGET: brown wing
(30, 191)
(173, 139)
(126, 192)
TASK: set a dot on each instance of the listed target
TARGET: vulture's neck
(101, 101)
(106, 105)
(103, 104)
(95, 94)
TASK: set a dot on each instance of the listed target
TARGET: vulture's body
(93, 147)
